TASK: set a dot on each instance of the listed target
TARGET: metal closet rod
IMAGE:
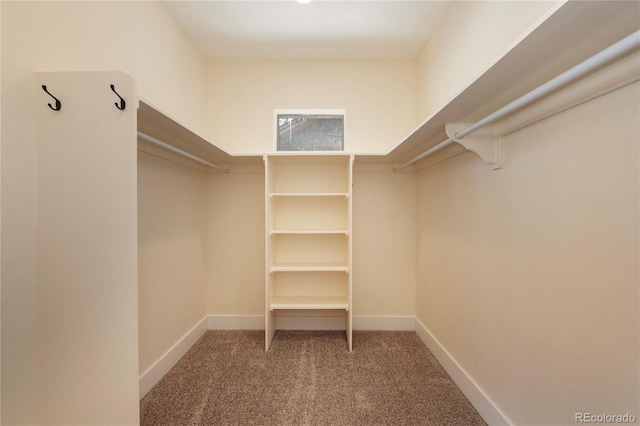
(622, 47)
(168, 147)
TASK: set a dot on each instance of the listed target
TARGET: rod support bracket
(483, 142)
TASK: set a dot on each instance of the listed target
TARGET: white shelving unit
(308, 241)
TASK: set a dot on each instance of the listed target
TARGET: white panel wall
(528, 275)
(87, 244)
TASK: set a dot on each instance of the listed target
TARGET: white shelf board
(309, 302)
(153, 122)
(309, 232)
(309, 194)
(309, 268)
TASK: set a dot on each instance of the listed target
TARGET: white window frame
(341, 112)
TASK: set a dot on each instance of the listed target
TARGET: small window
(310, 132)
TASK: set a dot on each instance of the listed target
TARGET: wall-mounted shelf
(276, 195)
(573, 33)
(309, 232)
(155, 123)
(309, 302)
(309, 268)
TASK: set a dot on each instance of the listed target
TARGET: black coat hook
(58, 104)
(123, 104)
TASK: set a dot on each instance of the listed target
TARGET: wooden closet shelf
(309, 268)
(309, 232)
(309, 302)
(309, 194)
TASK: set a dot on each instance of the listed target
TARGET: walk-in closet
(314, 222)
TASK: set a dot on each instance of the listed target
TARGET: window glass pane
(298, 132)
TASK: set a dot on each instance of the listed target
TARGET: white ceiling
(320, 30)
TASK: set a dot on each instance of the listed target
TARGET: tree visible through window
(301, 132)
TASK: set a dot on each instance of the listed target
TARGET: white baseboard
(368, 322)
(481, 402)
(256, 322)
(149, 378)
(235, 322)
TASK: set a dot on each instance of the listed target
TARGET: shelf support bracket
(483, 142)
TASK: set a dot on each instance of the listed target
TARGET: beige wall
(471, 37)
(171, 254)
(379, 98)
(44, 36)
(235, 241)
(137, 37)
(383, 242)
(384, 230)
(528, 275)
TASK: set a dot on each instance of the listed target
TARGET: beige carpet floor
(307, 378)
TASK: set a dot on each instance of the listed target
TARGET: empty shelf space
(309, 284)
(309, 249)
(309, 174)
(309, 213)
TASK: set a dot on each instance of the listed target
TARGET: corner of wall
(480, 401)
(153, 374)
